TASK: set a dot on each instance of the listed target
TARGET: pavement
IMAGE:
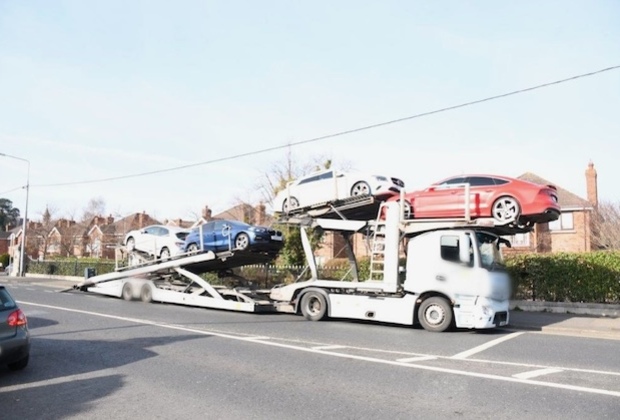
(536, 318)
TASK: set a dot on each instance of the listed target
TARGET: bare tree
(95, 207)
(606, 226)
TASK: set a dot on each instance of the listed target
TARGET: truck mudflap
(485, 313)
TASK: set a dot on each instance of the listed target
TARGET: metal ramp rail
(361, 207)
(177, 281)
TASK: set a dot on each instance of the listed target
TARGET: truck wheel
(127, 293)
(146, 294)
(314, 306)
(435, 314)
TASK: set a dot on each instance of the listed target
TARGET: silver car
(14, 334)
(328, 185)
(157, 240)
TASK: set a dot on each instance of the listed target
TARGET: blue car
(232, 235)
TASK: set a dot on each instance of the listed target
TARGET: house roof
(242, 212)
(131, 222)
(566, 199)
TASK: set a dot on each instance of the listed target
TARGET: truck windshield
(490, 254)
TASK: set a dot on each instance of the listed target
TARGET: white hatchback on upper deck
(328, 185)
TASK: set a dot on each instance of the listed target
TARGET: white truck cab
(454, 277)
(464, 268)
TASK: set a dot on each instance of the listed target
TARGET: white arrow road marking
(416, 359)
(334, 347)
(535, 373)
(485, 346)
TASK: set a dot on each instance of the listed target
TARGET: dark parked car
(14, 335)
(225, 235)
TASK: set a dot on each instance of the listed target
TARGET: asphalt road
(96, 357)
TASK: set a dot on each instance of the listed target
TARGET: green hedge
(576, 277)
(70, 267)
(592, 277)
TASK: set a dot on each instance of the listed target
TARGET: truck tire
(146, 293)
(127, 293)
(435, 314)
(314, 306)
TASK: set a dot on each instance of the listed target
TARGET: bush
(4, 260)
(592, 277)
(70, 267)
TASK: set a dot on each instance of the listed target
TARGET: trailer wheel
(127, 293)
(146, 294)
(435, 314)
(314, 306)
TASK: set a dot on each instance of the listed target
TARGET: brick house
(254, 215)
(572, 232)
(103, 234)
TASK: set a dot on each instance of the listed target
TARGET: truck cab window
(450, 248)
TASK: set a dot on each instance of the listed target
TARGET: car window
(151, 230)
(310, 179)
(163, 231)
(452, 181)
(181, 235)
(327, 175)
(480, 181)
(499, 181)
(6, 302)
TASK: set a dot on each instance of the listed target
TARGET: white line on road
(261, 337)
(332, 347)
(343, 355)
(416, 359)
(60, 380)
(485, 346)
(535, 373)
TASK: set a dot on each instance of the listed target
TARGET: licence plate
(276, 238)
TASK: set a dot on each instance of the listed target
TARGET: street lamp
(22, 250)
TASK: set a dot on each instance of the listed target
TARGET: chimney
(110, 220)
(206, 213)
(591, 186)
(260, 214)
(141, 220)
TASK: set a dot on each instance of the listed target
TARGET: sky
(104, 89)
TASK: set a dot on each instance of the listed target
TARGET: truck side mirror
(464, 246)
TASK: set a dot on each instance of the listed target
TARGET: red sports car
(505, 199)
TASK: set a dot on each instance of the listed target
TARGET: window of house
(520, 240)
(565, 222)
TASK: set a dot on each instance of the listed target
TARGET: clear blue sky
(100, 89)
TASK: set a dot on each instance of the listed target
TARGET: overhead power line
(10, 191)
(330, 136)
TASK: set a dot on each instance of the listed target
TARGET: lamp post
(22, 250)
